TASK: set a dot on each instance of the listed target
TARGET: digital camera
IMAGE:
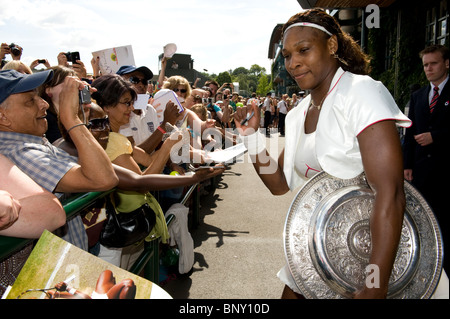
(85, 96)
(14, 49)
(208, 100)
(72, 56)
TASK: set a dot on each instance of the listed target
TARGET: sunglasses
(182, 90)
(136, 80)
(99, 124)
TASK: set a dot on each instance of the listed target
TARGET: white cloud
(219, 35)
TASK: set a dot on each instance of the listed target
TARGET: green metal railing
(148, 261)
(72, 206)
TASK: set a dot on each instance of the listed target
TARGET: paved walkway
(239, 243)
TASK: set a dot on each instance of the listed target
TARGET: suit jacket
(428, 162)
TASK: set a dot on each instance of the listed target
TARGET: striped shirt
(46, 165)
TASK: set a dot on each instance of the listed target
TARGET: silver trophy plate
(327, 241)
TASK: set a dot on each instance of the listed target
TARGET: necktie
(434, 99)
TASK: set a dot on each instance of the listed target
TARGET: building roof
(308, 4)
(274, 40)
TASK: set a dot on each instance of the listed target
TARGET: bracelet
(75, 126)
(255, 143)
(161, 129)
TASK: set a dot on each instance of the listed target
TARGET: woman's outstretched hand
(247, 119)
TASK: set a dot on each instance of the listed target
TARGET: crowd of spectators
(54, 145)
(104, 143)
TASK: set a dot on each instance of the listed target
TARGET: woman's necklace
(318, 107)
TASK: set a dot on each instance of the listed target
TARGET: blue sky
(219, 35)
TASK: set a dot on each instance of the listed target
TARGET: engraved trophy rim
(327, 240)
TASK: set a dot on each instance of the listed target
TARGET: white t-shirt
(267, 103)
(282, 107)
(141, 126)
(250, 101)
(306, 163)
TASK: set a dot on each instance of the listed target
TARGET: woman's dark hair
(351, 57)
(110, 88)
(59, 74)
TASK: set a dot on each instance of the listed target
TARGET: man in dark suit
(427, 141)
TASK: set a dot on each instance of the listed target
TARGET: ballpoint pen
(248, 118)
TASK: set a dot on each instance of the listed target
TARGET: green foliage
(398, 66)
(223, 77)
(264, 85)
(250, 80)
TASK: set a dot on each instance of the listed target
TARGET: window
(437, 24)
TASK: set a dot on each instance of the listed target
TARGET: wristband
(72, 291)
(161, 129)
(255, 143)
(76, 125)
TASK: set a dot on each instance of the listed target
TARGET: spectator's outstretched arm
(129, 180)
(35, 208)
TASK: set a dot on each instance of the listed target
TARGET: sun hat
(169, 50)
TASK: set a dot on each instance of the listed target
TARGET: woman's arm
(129, 180)
(156, 161)
(383, 164)
(94, 172)
(269, 169)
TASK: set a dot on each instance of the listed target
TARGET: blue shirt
(46, 165)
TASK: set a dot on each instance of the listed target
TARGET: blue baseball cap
(126, 69)
(12, 82)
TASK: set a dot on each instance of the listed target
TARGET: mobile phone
(75, 57)
(41, 61)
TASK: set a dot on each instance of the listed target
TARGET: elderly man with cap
(144, 129)
(22, 128)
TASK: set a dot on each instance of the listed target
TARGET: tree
(224, 77)
(264, 85)
(257, 70)
(240, 70)
(253, 80)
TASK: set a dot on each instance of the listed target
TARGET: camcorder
(85, 96)
(72, 56)
(14, 49)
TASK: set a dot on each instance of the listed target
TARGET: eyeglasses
(181, 90)
(99, 124)
(136, 80)
(128, 104)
